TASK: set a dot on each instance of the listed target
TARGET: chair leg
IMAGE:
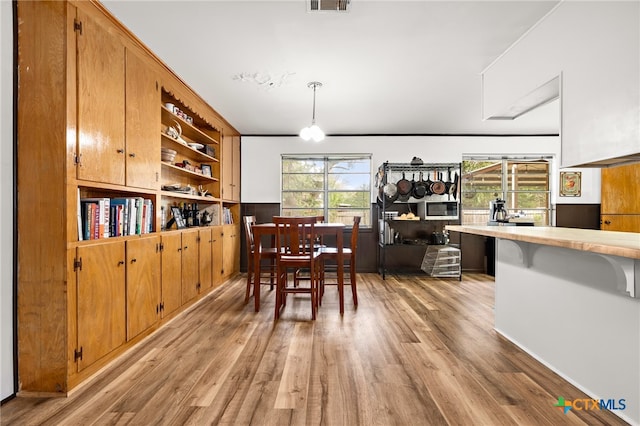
(247, 293)
(352, 278)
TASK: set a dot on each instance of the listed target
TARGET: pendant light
(313, 132)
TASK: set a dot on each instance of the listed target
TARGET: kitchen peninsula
(571, 299)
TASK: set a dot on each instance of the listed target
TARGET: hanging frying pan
(438, 187)
(419, 188)
(404, 186)
(448, 183)
(454, 187)
(428, 184)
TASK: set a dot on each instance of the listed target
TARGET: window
(336, 187)
(522, 183)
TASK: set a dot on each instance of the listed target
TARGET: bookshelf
(93, 277)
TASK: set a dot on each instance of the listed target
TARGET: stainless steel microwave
(438, 210)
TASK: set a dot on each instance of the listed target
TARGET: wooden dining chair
(295, 251)
(349, 257)
(267, 270)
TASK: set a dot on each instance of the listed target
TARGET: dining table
(261, 230)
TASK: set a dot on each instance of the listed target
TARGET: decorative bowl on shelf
(167, 154)
(196, 145)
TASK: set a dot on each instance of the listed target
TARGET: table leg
(340, 245)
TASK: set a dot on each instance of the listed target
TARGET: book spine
(95, 221)
(107, 217)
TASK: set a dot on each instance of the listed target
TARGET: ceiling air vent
(328, 5)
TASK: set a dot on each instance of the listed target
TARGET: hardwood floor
(417, 350)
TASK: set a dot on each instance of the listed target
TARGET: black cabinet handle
(134, 260)
(132, 155)
(120, 151)
(607, 222)
(121, 263)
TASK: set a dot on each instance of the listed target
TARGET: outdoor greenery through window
(522, 183)
(336, 187)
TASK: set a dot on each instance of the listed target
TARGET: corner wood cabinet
(94, 278)
(403, 242)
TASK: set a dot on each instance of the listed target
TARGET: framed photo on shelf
(206, 170)
(177, 217)
(570, 184)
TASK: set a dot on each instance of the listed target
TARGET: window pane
(314, 182)
(302, 212)
(346, 216)
(302, 200)
(349, 199)
(294, 165)
(349, 166)
(358, 181)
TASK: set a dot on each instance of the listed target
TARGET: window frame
(326, 191)
(507, 193)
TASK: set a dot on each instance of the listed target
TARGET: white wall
(261, 157)
(6, 195)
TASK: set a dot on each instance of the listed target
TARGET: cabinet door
(216, 254)
(101, 301)
(171, 273)
(620, 222)
(205, 255)
(235, 193)
(619, 190)
(142, 124)
(190, 267)
(143, 284)
(101, 100)
(231, 168)
(230, 250)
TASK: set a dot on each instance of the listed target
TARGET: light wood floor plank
(417, 350)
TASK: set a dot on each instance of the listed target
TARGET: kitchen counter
(624, 244)
(571, 299)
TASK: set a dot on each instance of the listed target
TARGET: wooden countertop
(624, 244)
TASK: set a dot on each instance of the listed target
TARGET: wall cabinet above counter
(597, 62)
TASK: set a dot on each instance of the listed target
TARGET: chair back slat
(249, 221)
(295, 235)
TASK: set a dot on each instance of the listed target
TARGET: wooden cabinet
(101, 305)
(231, 246)
(190, 267)
(91, 121)
(171, 273)
(217, 254)
(231, 168)
(143, 284)
(620, 187)
(205, 259)
(142, 124)
(620, 204)
(101, 100)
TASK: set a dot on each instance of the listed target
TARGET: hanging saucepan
(454, 187)
(438, 187)
(404, 186)
(419, 188)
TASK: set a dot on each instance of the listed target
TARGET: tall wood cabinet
(620, 204)
(92, 123)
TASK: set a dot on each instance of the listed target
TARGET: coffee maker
(497, 212)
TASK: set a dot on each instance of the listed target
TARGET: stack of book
(227, 217)
(114, 217)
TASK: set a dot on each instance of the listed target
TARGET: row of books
(227, 217)
(114, 217)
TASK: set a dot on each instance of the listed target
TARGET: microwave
(438, 210)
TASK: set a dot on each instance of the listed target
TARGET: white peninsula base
(577, 311)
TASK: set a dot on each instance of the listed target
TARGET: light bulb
(305, 134)
(316, 133)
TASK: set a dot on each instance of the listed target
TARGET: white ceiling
(387, 67)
